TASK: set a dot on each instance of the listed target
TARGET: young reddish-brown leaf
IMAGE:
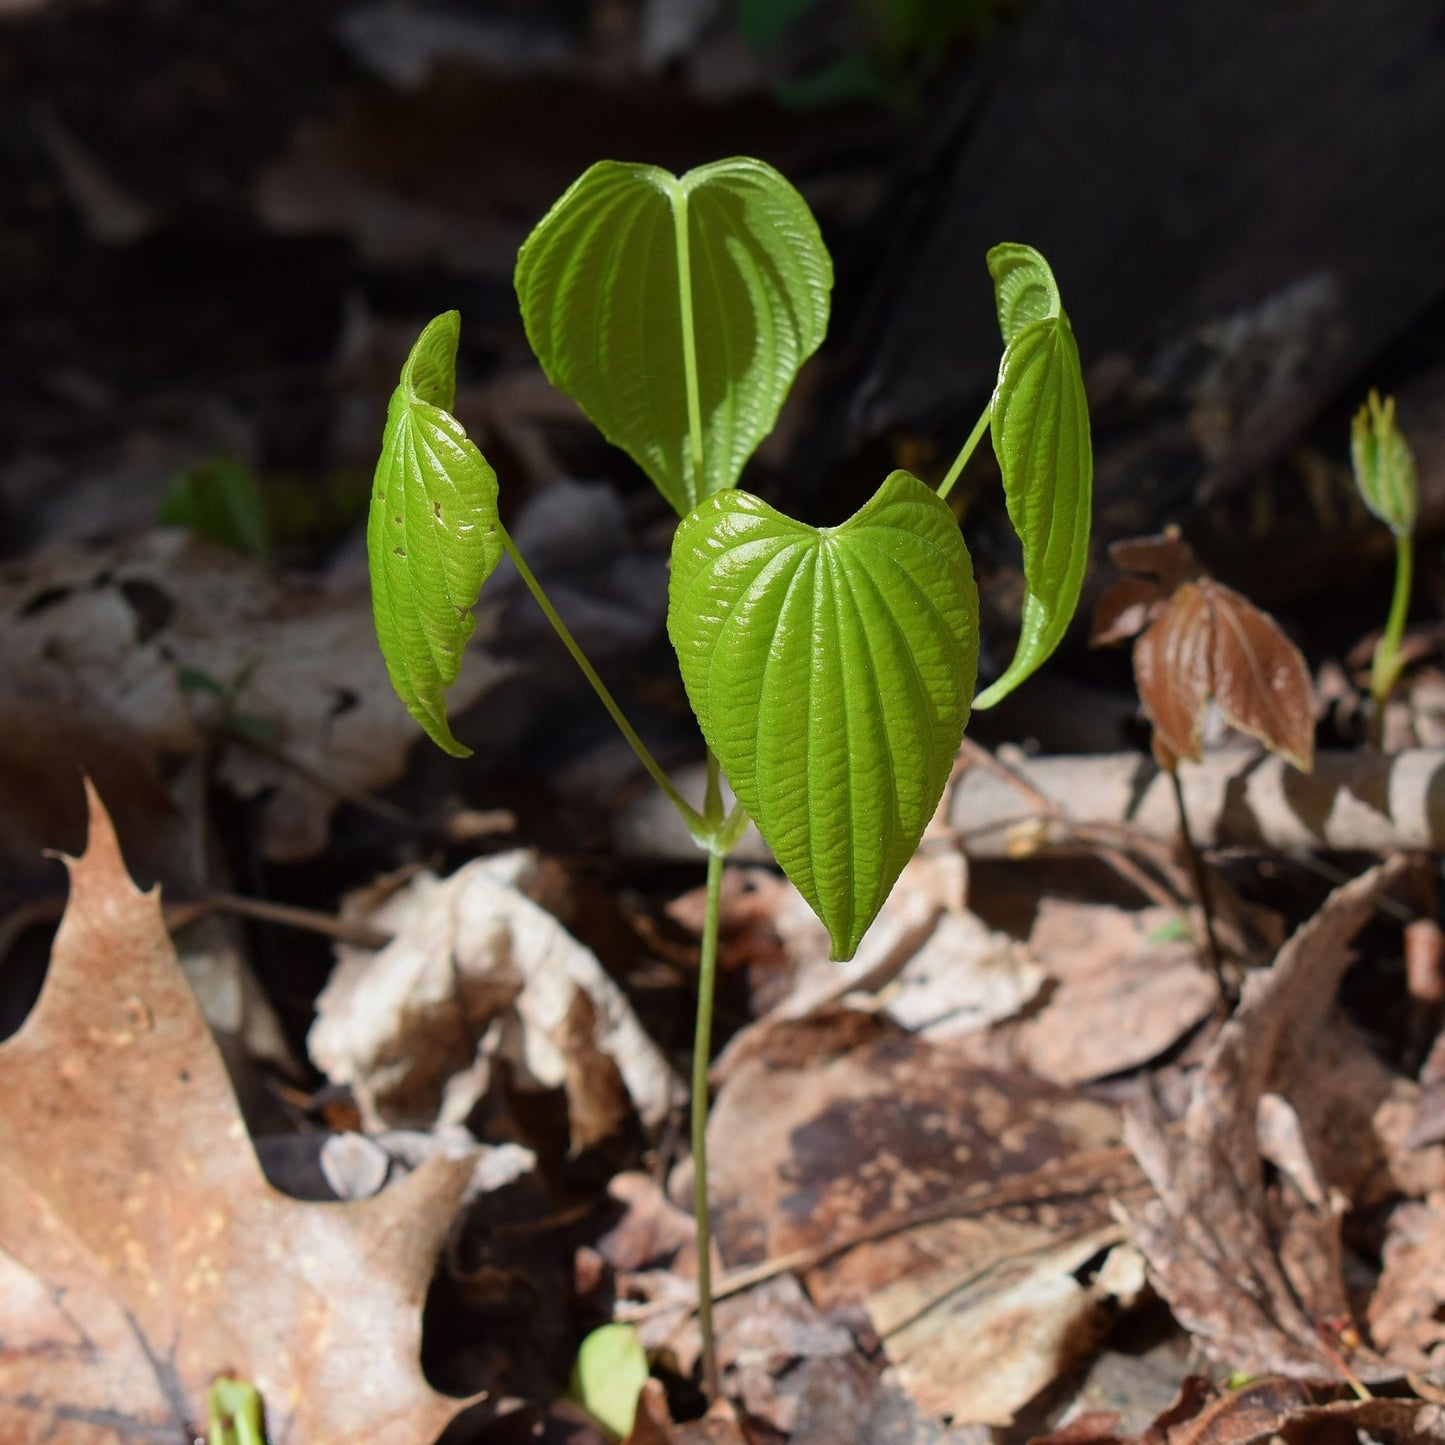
(142, 1253)
(1165, 556)
(1124, 609)
(1209, 642)
(1172, 670)
(1261, 683)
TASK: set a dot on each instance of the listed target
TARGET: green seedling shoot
(831, 669)
(1385, 475)
(233, 1411)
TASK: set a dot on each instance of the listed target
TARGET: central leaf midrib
(678, 195)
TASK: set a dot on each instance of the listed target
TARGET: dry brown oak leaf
(142, 1253)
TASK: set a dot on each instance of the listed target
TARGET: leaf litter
(942, 1221)
(944, 1173)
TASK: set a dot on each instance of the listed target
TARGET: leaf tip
(101, 859)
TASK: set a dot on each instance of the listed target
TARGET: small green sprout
(233, 1409)
(607, 1378)
(1385, 476)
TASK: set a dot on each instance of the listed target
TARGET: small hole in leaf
(400, 551)
(397, 520)
(436, 510)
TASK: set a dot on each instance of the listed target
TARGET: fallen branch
(1353, 801)
(1361, 801)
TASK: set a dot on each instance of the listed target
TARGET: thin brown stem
(1200, 876)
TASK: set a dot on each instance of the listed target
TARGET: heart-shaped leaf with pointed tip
(677, 311)
(1040, 430)
(432, 537)
(830, 669)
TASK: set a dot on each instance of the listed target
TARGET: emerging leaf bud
(1384, 466)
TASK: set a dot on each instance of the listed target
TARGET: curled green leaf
(432, 536)
(830, 669)
(677, 311)
(1384, 465)
(1040, 429)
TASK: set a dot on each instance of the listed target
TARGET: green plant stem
(697, 825)
(961, 460)
(689, 341)
(1385, 670)
(1200, 876)
(701, 1059)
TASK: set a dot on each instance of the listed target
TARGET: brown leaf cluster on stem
(1198, 641)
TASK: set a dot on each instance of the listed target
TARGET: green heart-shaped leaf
(830, 669)
(1040, 429)
(432, 536)
(676, 312)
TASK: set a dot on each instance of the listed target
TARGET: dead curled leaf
(477, 972)
(1254, 1272)
(141, 1251)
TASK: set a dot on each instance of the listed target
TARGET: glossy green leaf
(1384, 465)
(676, 312)
(1040, 429)
(433, 536)
(608, 1377)
(830, 669)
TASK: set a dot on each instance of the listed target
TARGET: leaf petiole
(701, 829)
(969, 447)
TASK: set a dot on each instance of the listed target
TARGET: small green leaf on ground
(608, 1377)
(830, 669)
(433, 536)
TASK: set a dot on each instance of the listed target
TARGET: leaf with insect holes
(676, 311)
(830, 669)
(1040, 429)
(1384, 465)
(432, 537)
(1209, 642)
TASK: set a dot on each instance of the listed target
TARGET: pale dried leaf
(477, 971)
(1122, 998)
(141, 1251)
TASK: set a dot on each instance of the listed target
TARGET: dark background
(221, 226)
